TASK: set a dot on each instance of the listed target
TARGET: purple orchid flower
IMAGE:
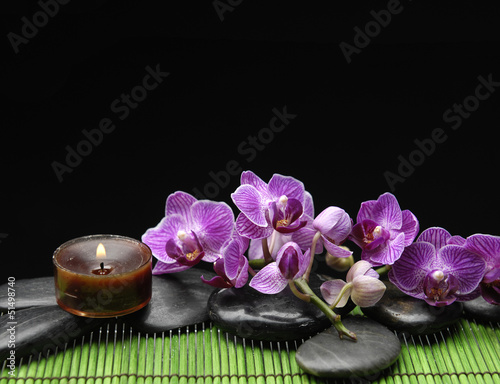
(362, 285)
(278, 239)
(383, 230)
(267, 207)
(436, 270)
(487, 247)
(290, 264)
(232, 268)
(191, 231)
(333, 225)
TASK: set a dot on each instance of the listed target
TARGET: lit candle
(102, 275)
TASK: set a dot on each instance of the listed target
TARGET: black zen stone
(178, 300)
(480, 309)
(326, 355)
(248, 313)
(35, 292)
(40, 329)
(404, 313)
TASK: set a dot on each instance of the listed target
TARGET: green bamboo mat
(467, 352)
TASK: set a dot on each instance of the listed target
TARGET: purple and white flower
(232, 268)
(437, 270)
(362, 285)
(191, 231)
(264, 208)
(383, 231)
(290, 264)
(488, 247)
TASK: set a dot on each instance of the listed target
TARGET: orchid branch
(332, 316)
(316, 237)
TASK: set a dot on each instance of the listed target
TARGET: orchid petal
(303, 263)
(251, 203)
(491, 276)
(308, 204)
(331, 289)
(293, 209)
(304, 237)
(248, 229)
(387, 212)
(486, 246)
(456, 240)
(335, 250)
(289, 260)
(412, 267)
(327, 219)
(410, 226)
(242, 277)
(280, 185)
(467, 267)
(358, 269)
(179, 203)
(217, 281)
(250, 178)
(491, 295)
(161, 268)
(232, 256)
(366, 210)
(367, 291)
(388, 253)
(417, 291)
(360, 231)
(437, 236)
(269, 280)
(156, 238)
(213, 224)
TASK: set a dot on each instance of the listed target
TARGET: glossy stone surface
(404, 313)
(248, 313)
(35, 292)
(480, 309)
(40, 329)
(326, 355)
(178, 300)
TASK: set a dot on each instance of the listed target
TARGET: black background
(226, 75)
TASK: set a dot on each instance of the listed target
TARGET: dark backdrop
(352, 119)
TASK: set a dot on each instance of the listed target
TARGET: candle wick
(102, 266)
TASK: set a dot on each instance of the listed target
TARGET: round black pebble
(37, 292)
(480, 309)
(404, 313)
(327, 355)
(178, 300)
(248, 313)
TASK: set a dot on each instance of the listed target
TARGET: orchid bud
(339, 264)
(361, 284)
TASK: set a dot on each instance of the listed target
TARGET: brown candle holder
(93, 285)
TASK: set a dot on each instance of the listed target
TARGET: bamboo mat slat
(466, 353)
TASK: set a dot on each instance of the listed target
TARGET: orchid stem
(257, 263)
(332, 316)
(341, 293)
(251, 271)
(383, 270)
(316, 237)
(296, 292)
(265, 249)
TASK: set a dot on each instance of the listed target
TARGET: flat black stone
(404, 313)
(35, 292)
(326, 355)
(481, 310)
(248, 313)
(178, 300)
(40, 329)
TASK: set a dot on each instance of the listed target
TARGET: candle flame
(101, 252)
